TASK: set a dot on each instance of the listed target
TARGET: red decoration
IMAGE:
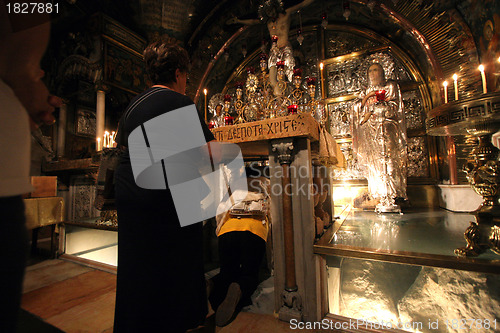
(292, 109)
(280, 64)
(228, 120)
(380, 95)
(311, 81)
(251, 70)
(274, 39)
(211, 124)
(297, 72)
(227, 98)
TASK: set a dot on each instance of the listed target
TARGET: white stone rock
(445, 294)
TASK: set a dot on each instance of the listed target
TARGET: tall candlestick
(445, 85)
(321, 66)
(205, 92)
(455, 85)
(98, 144)
(483, 77)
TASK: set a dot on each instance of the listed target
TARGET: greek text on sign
(293, 125)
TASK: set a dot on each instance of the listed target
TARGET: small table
(41, 212)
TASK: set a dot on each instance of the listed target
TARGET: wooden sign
(275, 128)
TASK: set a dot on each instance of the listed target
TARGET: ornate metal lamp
(478, 116)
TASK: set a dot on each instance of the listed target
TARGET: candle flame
(205, 91)
(481, 68)
(321, 66)
(455, 77)
(445, 84)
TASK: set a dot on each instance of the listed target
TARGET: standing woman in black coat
(160, 283)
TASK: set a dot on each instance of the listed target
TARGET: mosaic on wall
(124, 69)
(82, 191)
(340, 43)
(418, 157)
(414, 110)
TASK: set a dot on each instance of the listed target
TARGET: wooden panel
(45, 186)
(307, 267)
(79, 164)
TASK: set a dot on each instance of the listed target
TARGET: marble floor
(77, 298)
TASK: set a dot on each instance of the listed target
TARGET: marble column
(61, 130)
(291, 307)
(100, 113)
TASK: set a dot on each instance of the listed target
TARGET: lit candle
(455, 85)
(292, 109)
(380, 94)
(98, 144)
(113, 135)
(483, 77)
(205, 92)
(106, 139)
(321, 66)
(445, 85)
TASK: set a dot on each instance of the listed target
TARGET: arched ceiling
(441, 36)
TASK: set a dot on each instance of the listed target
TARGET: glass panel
(434, 232)
(413, 298)
(93, 244)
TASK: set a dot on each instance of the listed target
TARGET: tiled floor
(76, 298)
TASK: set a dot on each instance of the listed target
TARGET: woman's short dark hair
(162, 60)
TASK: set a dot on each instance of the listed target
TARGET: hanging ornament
(324, 20)
(300, 38)
(347, 9)
(244, 50)
(371, 4)
(263, 46)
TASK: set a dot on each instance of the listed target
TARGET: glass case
(88, 241)
(399, 271)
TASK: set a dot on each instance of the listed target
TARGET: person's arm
(235, 20)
